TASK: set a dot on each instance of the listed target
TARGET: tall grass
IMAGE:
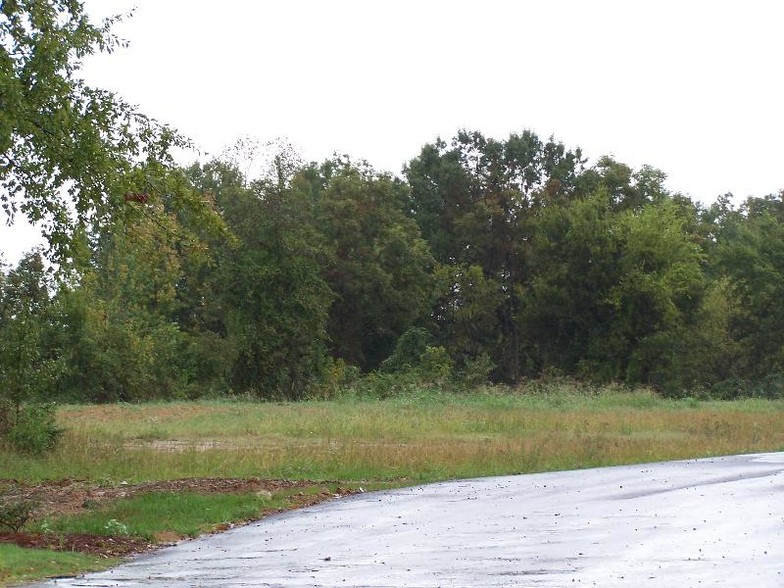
(417, 437)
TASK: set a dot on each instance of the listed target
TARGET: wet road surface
(713, 522)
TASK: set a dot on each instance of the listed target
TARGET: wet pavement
(712, 522)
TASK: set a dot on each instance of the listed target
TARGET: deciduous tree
(64, 145)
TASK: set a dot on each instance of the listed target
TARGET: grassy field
(420, 438)
(369, 443)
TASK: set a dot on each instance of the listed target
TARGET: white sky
(692, 87)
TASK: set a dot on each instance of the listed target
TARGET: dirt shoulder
(69, 497)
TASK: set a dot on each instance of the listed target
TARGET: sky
(692, 87)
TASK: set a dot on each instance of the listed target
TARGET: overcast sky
(691, 87)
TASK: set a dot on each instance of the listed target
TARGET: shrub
(30, 428)
(408, 351)
(435, 365)
(476, 371)
(770, 387)
(15, 511)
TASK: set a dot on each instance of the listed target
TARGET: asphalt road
(713, 522)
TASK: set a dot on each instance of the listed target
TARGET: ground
(74, 496)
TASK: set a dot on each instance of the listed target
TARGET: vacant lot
(118, 466)
(420, 438)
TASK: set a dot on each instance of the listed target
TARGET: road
(712, 522)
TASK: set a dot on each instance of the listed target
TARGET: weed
(115, 527)
(15, 512)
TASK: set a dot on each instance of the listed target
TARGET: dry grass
(415, 438)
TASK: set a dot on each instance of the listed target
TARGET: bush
(408, 351)
(771, 387)
(15, 510)
(435, 365)
(382, 385)
(476, 371)
(338, 376)
(30, 428)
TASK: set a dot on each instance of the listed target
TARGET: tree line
(487, 261)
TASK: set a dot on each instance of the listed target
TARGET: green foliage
(29, 428)
(58, 135)
(750, 254)
(617, 292)
(408, 350)
(338, 377)
(270, 285)
(573, 266)
(477, 370)
(134, 327)
(474, 201)
(660, 289)
(435, 365)
(381, 385)
(29, 362)
(377, 264)
(769, 387)
(493, 262)
(466, 311)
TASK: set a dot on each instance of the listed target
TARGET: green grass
(149, 515)
(19, 565)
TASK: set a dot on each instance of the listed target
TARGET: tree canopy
(65, 147)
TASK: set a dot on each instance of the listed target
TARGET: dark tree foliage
(750, 254)
(474, 201)
(268, 283)
(377, 266)
(28, 361)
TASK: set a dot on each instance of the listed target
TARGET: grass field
(419, 438)
(370, 443)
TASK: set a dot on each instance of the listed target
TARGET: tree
(474, 201)
(658, 296)
(377, 264)
(273, 302)
(58, 136)
(750, 253)
(573, 264)
(135, 321)
(627, 189)
(620, 292)
(28, 363)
